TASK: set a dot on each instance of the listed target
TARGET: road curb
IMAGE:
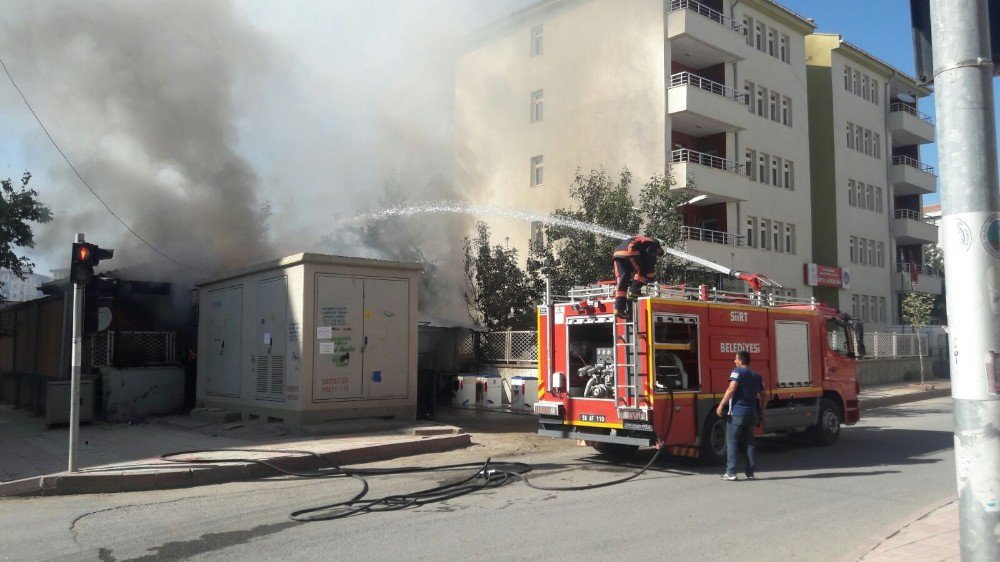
(874, 541)
(114, 481)
(882, 401)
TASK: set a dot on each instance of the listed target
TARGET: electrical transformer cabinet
(310, 338)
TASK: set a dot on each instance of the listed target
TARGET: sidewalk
(125, 457)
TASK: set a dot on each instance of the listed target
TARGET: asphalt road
(808, 504)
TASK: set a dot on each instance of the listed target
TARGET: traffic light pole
(970, 230)
(75, 367)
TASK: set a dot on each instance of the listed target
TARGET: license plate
(591, 418)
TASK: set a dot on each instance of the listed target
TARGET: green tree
(583, 257)
(499, 293)
(18, 208)
(934, 257)
(918, 311)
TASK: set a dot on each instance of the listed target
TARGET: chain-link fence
(132, 349)
(508, 347)
(886, 345)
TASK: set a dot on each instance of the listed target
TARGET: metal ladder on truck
(627, 394)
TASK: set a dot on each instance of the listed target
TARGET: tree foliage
(918, 309)
(583, 257)
(19, 206)
(934, 257)
(500, 295)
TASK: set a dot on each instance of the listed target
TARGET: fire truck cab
(657, 378)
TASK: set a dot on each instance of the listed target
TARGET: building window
(759, 35)
(880, 254)
(773, 105)
(783, 49)
(847, 78)
(875, 93)
(765, 227)
(751, 222)
(537, 105)
(536, 40)
(877, 146)
(864, 86)
(775, 179)
(857, 83)
(857, 139)
(878, 200)
(761, 95)
(537, 234)
(881, 310)
(868, 142)
(862, 253)
(870, 195)
(861, 195)
(748, 90)
(747, 29)
(790, 238)
(776, 236)
(789, 175)
(770, 42)
(786, 111)
(852, 250)
(751, 170)
(854, 306)
(537, 170)
(851, 200)
(864, 308)
(871, 253)
(762, 168)
(850, 135)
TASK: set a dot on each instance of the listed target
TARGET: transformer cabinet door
(225, 342)
(387, 346)
(272, 319)
(338, 341)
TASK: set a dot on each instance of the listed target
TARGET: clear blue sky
(881, 27)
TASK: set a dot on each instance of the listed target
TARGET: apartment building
(868, 180)
(712, 91)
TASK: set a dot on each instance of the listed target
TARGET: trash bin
(523, 393)
(490, 394)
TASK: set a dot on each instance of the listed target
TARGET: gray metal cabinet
(225, 327)
(272, 339)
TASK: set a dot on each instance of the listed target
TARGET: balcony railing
(912, 215)
(695, 157)
(907, 161)
(903, 267)
(689, 79)
(701, 9)
(897, 106)
(712, 236)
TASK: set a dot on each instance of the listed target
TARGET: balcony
(917, 279)
(701, 107)
(720, 180)
(712, 245)
(908, 126)
(701, 36)
(910, 227)
(910, 177)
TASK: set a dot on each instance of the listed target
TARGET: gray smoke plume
(140, 96)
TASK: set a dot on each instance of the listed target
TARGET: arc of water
(471, 209)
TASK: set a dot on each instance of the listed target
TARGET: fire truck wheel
(827, 430)
(713, 440)
(614, 450)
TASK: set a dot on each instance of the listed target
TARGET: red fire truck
(657, 378)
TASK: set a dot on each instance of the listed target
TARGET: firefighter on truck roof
(635, 265)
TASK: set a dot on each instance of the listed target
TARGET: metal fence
(132, 349)
(887, 345)
(508, 347)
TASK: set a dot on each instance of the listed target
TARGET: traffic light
(85, 257)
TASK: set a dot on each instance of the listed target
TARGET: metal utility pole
(75, 363)
(970, 230)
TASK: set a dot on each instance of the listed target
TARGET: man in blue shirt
(746, 406)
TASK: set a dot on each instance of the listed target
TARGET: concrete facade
(310, 338)
(657, 87)
(867, 184)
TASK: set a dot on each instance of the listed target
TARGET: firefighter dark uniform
(635, 265)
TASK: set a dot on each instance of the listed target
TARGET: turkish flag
(914, 273)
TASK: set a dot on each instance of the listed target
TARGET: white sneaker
(730, 477)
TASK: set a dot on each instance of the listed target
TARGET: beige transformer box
(310, 338)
